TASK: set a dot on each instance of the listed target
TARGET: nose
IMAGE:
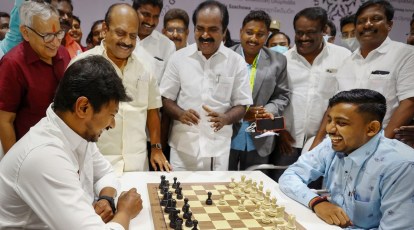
(175, 33)
(101, 35)
(112, 123)
(330, 127)
(368, 23)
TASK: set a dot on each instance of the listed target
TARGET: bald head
(120, 10)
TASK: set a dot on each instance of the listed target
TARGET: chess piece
(178, 224)
(291, 225)
(259, 195)
(186, 204)
(177, 186)
(173, 214)
(266, 203)
(275, 226)
(189, 222)
(209, 201)
(174, 185)
(257, 212)
(253, 191)
(187, 213)
(179, 193)
(272, 211)
(266, 219)
(241, 205)
(232, 184)
(222, 200)
(195, 222)
(162, 183)
(280, 216)
(166, 197)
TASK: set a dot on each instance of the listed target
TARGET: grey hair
(31, 8)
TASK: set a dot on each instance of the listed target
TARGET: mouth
(148, 26)
(252, 44)
(335, 139)
(125, 47)
(368, 32)
(305, 43)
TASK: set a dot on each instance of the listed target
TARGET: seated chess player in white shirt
(55, 177)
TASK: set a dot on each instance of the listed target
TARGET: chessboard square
(220, 187)
(208, 187)
(233, 202)
(195, 203)
(245, 215)
(251, 223)
(191, 197)
(230, 197)
(216, 216)
(198, 187)
(188, 193)
(225, 209)
(201, 217)
(197, 210)
(212, 209)
(205, 225)
(231, 216)
(200, 192)
(236, 224)
(221, 224)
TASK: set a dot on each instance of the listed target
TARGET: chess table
(146, 218)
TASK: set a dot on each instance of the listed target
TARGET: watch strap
(110, 200)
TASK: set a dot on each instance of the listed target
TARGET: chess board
(215, 216)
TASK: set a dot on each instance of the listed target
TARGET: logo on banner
(339, 9)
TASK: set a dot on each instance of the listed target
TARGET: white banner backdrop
(283, 10)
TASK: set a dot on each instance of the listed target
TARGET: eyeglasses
(177, 30)
(50, 36)
(308, 33)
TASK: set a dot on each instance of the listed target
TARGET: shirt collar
(360, 155)
(31, 56)
(221, 50)
(383, 48)
(75, 141)
(102, 50)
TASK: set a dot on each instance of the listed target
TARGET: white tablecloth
(143, 221)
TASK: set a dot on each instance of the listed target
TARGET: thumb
(206, 108)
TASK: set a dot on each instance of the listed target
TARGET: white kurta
(221, 82)
(389, 69)
(312, 86)
(125, 146)
(50, 177)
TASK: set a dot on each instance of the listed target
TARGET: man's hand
(130, 202)
(405, 134)
(255, 112)
(219, 120)
(332, 214)
(158, 158)
(104, 210)
(189, 117)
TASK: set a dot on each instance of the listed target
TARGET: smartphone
(270, 125)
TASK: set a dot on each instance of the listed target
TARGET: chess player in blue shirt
(368, 176)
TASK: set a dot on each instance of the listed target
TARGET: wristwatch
(111, 202)
(156, 146)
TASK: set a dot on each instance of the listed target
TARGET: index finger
(194, 113)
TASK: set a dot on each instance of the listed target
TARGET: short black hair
(93, 77)
(385, 5)
(274, 34)
(90, 35)
(369, 102)
(347, 20)
(4, 15)
(332, 26)
(136, 4)
(176, 13)
(314, 14)
(77, 19)
(211, 4)
(257, 15)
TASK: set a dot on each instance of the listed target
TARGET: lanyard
(253, 72)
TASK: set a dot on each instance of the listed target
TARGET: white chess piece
(232, 184)
(259, 195)
(253, 192)
(266, 219)
(257, 212)
(291, 224)
(222, 200)
(280, 216)
(241, 205)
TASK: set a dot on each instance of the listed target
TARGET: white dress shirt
(220, 82)
(312, 86)
(160, 47)
(389, 69)
(48, 179)
(125, 146)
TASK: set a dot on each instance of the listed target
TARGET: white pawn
(259, 196)
(257, 212)
(273, 210)
(232, 184)
(266, 219)
(241, 205)
(253, 191)
(291, 223)
(243, 179)
(275, 227)
(222, 200)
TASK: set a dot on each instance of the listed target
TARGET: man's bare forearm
(235, 114)
(401, 116)
(171, 108)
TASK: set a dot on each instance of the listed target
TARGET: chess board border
(160, 223)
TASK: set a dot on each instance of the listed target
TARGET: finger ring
(257, 111)
(166, 161)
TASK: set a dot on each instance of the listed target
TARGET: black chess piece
(174, 185)
(164, 200)
(173, 214)
(185, 204)
(209, 201)
(177, 187)
(187, 214)
(179, 193)
(195, 222)
(171, 204)
(162, 182)
(178, 224)
(189, 222)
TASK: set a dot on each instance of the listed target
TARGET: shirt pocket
(381, 83)
(223, 88)
(327, 84)
(366, 214)
(139, 92)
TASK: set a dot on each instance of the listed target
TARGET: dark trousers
(241, 160)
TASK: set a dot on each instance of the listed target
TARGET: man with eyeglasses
(31, 71)
(176, 27)
(125, 146)
(205, 89)
(312, 65)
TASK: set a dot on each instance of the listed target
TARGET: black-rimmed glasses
(50, 36)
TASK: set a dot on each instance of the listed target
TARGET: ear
(373, 128)
(82, 107)
(390, 24)
(105, 27)
(24, 32)
(187, 31)
(163, 31)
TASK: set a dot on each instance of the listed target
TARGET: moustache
(125, 45)
(148, 25)
(365, 31)
(176, 40)
(64, 22)
(302, 41)
(206, 40)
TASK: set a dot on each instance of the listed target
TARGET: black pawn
(162, 182)
(185, 204)
(178, 224)
(195, 222)
(177, 186)
(209, 201)
(189, 222)
(174, 185)
(187, 214)
(179, 194)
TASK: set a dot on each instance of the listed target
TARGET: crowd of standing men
(152, 101)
